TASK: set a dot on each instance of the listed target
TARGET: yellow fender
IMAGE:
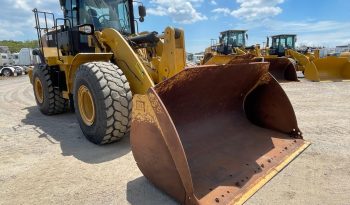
(79, 59)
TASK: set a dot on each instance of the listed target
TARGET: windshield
(290, 42)
(234, 39)
(275, 42)
(283, 41)
(106, 14)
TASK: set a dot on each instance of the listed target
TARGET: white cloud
(224, 11)
(181, 11)
(307, 26)
(213, 2)
(257, 9)
(157, 11)
(315, 33)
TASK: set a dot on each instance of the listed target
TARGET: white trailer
(25, 57)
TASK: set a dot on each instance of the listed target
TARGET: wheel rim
(7, 73)
(38, 87)
(86, 105)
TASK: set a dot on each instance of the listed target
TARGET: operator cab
(280, 43)
(231, 39)
(80, 19)
(101, 14)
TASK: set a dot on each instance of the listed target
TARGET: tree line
(15, 46)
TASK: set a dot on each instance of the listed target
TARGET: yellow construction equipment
(329, 68)
(203, 135)
(345, 54)
(232, 43)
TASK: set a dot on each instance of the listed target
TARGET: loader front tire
(48, 98)
(103, 100)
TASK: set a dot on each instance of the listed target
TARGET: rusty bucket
(282, 69)
(214, 134)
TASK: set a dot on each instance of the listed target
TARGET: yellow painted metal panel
(219, 60)
(333, 68)
(173, 57)
(71, 64)
(125, 57)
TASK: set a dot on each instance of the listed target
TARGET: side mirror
(142, 13)
(86, 29)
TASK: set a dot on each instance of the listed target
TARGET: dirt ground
(47, 160)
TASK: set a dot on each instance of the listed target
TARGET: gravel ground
(47, 160)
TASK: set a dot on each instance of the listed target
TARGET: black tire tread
(57, 104)
(117, 98)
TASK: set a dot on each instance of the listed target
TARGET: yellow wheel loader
(203, 135)
(330, 68)
(232, 43)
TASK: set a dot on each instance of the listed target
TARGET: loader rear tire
(48, 98)
(103, 100)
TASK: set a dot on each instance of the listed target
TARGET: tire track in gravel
(19, 97)
(15, 95)
(28, 93)
(9, 98)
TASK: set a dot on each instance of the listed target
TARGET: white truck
(5, 59)
(15, 58)
(25, 57)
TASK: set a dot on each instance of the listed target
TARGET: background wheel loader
(330, 68)
(232, 47)
(204, 135)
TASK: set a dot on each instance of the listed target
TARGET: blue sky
(317, 23)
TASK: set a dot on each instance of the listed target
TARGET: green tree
(15, 46)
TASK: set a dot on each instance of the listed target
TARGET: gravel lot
(47, 160)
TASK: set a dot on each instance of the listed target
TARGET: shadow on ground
(64, 129)
(141, 192)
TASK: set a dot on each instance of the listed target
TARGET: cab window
(106, 14)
